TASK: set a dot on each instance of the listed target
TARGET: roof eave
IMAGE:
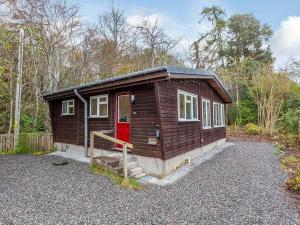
(225, 95)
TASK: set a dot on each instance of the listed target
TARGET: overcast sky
(180, 18)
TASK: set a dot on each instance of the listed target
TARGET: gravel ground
(241, 185)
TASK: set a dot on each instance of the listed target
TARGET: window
(99, 106)
(187, 106)
(67, 107)
(219, 120)
(206, 120)
(124, 108)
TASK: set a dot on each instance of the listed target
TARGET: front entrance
(123, 118)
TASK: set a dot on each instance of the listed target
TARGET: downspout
(86, 152)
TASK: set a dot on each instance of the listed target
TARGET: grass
(116, 178)
(41, 152)
(279, 149)
(33, 152)
(287, 160)
(293, 183)
(292, 165)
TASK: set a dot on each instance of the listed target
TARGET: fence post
(125, 160)
(91, 147)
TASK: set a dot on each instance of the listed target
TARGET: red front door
(123, 118)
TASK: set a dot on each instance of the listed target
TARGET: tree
(247, 38)
(115, 36)
(156, 41)
(207, 50)
(269, 89)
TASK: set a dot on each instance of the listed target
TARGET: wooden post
(91, 147)
(125, 160)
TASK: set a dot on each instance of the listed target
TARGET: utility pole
(19, 89)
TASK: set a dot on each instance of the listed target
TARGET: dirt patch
(239, 134)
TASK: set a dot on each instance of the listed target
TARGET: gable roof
(161, 73)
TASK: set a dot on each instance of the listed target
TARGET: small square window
(68, 107)
(99, 106)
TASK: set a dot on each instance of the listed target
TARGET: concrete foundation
(153, 166)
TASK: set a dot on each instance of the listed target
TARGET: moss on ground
(292, 165)
(33, 152)
(116, 178)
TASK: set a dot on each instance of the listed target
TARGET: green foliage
(253, 129)
(22, 147)
(28, 122)
(289, 122)
(292, 164)
(289, 160)
(279, 149)
(293, 184)
(248, 37)
(41, 152)
(279, 146)
(128, 184)
(245, 113)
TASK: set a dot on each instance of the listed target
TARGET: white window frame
(68, 107)
(208, 109)
(193, 117)
(222, 116)
(98, 106)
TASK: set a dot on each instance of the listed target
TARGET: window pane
(188, 98)
(71, 109)
(222, 115)
(102, 99)
(195, 109)
(204, 116)
(64, 108)
(208, 114)
(103, 110)
(188, 110)
(124, 106)
(181, 106)
(71, 103)
(93, 107)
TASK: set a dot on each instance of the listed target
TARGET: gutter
(86, 151)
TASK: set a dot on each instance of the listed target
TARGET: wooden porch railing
(124, 144)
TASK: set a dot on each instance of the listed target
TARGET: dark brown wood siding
(178, 136)
(70, 129)
(154, 107)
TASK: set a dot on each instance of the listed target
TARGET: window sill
(97, 117)
(181, 120)
(219, 126)
(206, 128)
(67, 114)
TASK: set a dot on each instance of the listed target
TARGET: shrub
(293, 184)
(251, 128)
(289, 122)
(22, 147)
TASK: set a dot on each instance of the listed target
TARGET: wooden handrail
(112, 139)
(124, 144)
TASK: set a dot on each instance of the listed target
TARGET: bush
(290, 122)
(293, 184)
(22, 147)
(251, 128)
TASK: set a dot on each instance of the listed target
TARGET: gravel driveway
(241, 185)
